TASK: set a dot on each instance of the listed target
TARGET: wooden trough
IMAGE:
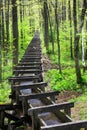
(32, 107)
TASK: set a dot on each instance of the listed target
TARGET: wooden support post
(10, 127)
(35, 122)
(41, 80)
(2, 119)
(68, 111)
(17, 96)
(25, 106)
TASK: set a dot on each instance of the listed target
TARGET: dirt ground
(65, 96)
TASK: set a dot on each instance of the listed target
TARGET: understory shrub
(64, 81)
(5, 90)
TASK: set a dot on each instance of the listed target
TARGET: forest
(63, 30)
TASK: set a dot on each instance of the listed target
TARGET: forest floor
(79, 111)
(67, 96)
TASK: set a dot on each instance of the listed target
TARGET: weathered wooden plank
(30, 60)
(67, 126)
(31, 71)
(28, 67)
(34, 55)
(30, 63)
(23, 78)
(33, 85)
(63, 116)
(50, 108)
(34, 51)
(34, 46)
(39, 95)
(9, 107)
(31, 53)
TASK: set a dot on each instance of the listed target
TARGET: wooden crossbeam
(28, 67)
(50, 108)
(39, 95)
(29, 63)
(23, 78)
(32, 55)
(9, 107)
(67, 126)
(28, 52)
(30, 60)
(36, 71)
(27, 86)
(33, 51)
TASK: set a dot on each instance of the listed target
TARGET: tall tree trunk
(63, 10)
(0, 43)
(7, 25)
(83, 52)
(57, 29)
(86, 40)
(21, 18)
(46, 27)
(15, 33)
(3, 27)
(70, 19)
(77, 37)
(51, 31)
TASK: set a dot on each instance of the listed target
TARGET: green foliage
(66, 81)
(4, 92)
(54, 58)
(84, 76)
(7, 71)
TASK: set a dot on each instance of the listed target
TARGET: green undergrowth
(4, 92)
(64, 81)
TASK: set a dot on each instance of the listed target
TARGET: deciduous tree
(15, 32)
(77, 37)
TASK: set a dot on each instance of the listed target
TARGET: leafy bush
(4, 92)
(66, 81)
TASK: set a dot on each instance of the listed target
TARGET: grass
(80, 108)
